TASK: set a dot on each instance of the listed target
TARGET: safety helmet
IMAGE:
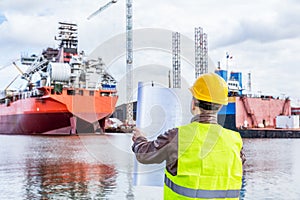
(212, 88)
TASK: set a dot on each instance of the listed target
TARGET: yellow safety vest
(209, 164)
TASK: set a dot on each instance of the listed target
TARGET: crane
(129, 54)
(129, 62)
(20, 71)
(3, 93)
(6, 88)
(102, 8)
(13, 80)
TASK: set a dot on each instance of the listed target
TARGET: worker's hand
(136, 133)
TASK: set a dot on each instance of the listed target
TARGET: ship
(256, 116)
(65, 91)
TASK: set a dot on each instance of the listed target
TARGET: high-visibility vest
(209, 164)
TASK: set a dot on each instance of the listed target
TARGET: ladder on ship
(284, 107)
(249, 111)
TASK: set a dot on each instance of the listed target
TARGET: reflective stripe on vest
(193, 193)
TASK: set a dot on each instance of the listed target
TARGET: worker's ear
(193, 104)
(193, 107)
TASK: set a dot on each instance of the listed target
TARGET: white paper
(159, 109)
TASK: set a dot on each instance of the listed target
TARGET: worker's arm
(242, 155)
(156, 151)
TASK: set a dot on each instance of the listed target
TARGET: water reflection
(33, 167)
(272, 169)
(68, 179)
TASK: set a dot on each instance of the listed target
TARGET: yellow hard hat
(210, 87)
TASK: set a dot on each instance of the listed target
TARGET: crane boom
(20, 71)
(101, 9)
(18, 68)
(6, 88)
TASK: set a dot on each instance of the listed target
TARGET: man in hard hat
(203, 159)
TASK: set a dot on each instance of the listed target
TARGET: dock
(269, 133)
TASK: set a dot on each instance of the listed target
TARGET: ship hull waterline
(45, 124)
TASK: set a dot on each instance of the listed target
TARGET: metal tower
(205, 53)
(201, 52)
(129, 62)
(176, 60)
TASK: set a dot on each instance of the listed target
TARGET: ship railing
(266, 97)
(15, 96)
(108, 94)
(28, 94)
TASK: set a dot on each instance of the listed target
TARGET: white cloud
(263, 36)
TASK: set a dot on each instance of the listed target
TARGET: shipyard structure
(256, 115)
(251, 115)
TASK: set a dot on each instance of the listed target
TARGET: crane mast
(129, 55)
(129, 61)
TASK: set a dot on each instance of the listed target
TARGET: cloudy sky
(263, 37)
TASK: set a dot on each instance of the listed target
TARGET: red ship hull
(52, 111)
(33, 123)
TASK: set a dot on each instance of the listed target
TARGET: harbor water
(102, 167)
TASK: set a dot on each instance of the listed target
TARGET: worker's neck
(205, 116)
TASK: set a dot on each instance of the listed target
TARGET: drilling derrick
(201, 52)
(176, 60)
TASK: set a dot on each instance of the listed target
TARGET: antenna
(249, 81)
